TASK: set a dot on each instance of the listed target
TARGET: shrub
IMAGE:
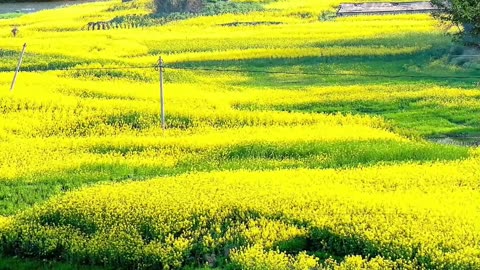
(170, 6)
(461, 12)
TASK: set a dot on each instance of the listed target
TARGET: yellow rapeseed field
(294, 140)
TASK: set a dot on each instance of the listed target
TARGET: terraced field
(294, 140)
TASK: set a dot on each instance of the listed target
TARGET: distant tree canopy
(464, 13)
(170, 6)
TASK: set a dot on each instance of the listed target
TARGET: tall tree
(465, 13)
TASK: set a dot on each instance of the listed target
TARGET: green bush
(170, 6)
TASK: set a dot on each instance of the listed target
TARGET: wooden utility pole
(18, 67)
(162, 100)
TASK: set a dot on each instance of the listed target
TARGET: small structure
(385, 8)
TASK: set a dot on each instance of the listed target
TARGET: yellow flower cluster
(23, 157)
(426, 217)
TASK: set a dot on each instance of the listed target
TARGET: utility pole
(162, 100)
(18, 67)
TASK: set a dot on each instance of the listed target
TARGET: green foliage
(327, 16)
(462, 12)
(411, 116)
(243, 219)
(23, 192)
(214, 8)
(229, 7)
(208, 9)
(29, 264)
(347, 216)
(186, 6)
(256, 258)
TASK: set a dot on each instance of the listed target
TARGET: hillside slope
(294, 140)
